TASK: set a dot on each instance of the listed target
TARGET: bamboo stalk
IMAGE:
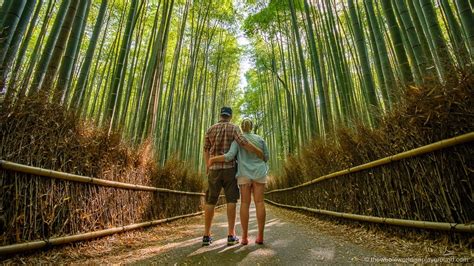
(466, 228)
(84, 179)
(442, 144)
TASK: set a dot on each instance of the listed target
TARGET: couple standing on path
(223, 143)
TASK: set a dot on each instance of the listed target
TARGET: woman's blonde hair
(246, 125)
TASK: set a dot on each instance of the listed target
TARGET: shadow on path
(285, 243)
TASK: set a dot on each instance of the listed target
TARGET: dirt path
(291, 238)
(286, 243)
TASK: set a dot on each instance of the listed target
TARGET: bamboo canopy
(466, 228)
(84, 179)
(442, 144)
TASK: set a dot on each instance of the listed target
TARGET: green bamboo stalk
(467, 19)
(4, 10)
(9, 26)
(454, 30)
(67, 63)
(59, 48)
(88, 108)
(312, 113)
(317, 70)
(81, 82)
(43, 63)
(172, 87)
(368, 83)
(440, 47)
(396, 38)
(422, 37)
(112, 106)
(36, 50)
(414, 42)
(15, 43)
(134, 67)
(388, 78)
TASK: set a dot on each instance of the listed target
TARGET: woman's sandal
(244, 241)
(259, 241)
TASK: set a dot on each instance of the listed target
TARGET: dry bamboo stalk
(84, 179)
(466, 228)
(442, 144)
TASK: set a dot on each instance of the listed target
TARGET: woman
(251, 178)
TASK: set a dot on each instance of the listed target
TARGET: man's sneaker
(232, 240)
(206, 240)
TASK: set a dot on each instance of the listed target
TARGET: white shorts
(242, 180)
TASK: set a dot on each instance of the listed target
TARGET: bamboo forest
(113, 116)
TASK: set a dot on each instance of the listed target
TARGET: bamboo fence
(84, 179)
(53, 240)
(465, 138)
(36, 171)
(408, 190)
(128, 188)
(22, 247)
(466, 228)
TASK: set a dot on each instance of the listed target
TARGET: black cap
(226, 111)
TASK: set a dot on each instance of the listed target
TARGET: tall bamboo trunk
(13, 23)
(394, 30)
(467, 19)
(412, 38)
(312, 115)
(14, 46)
(65, 71)
(387, 73)
(323, 99)
(81, 82)
(440, 47)
(460, 49)
(43, 63)
(368, 83)
(112, 107)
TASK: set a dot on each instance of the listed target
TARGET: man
(222, 175)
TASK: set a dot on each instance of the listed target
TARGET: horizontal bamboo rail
(407, 154)
(15, 248)
(84, 179)
(466, 228)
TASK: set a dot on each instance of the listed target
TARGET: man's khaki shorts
(222, 178)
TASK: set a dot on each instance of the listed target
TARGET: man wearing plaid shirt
(222, 175)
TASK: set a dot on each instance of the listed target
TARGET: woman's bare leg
(245, 196)
(258, 190)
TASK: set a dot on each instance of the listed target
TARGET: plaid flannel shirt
(218, 139)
